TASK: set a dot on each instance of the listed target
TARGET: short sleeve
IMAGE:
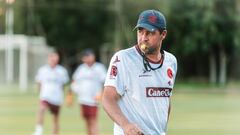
(65, 78)
(175, 66)
(102, 73)
(115, 73)
(75, 73)
(39, 75)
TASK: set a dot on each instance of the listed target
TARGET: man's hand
(98, 98)
(132, 129)
(69, 99)
(110, 103)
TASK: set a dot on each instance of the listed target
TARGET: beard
(151, 50)
(148, 49)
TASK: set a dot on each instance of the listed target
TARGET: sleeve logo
(116, 60)
(113, 71)
(170, 73)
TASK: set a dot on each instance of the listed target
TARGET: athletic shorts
(54, 109)
(89, 111)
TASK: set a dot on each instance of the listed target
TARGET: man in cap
(140, 81)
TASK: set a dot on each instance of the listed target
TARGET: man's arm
(169, 109)
(69, 98)
(109, 101)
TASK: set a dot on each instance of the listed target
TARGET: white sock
(39, 129)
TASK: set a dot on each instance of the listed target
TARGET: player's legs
(40, 117)
(55, 113)
(89, 113)
(92, 126)
(55, 124)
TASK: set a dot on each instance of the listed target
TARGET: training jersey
(52, 81)
(88, 82)
(145, 95)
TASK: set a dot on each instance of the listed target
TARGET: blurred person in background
(50, 79)
(140, 81)
(87, 83)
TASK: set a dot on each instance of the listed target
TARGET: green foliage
(67, 25)
(74, 24)
(2, 15)
(197, 26)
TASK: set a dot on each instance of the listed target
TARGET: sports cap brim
(146, 26)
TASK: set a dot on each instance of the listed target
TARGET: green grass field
(194, 112)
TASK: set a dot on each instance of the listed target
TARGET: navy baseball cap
(151, 20)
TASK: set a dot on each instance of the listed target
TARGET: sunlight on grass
(193, 113)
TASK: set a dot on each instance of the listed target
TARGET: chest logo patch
(158, 92)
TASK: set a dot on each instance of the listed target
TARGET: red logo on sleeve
(113, 71)
(170, 73)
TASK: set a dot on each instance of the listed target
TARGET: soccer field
(193, 113)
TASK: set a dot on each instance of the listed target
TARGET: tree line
(204, 35)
